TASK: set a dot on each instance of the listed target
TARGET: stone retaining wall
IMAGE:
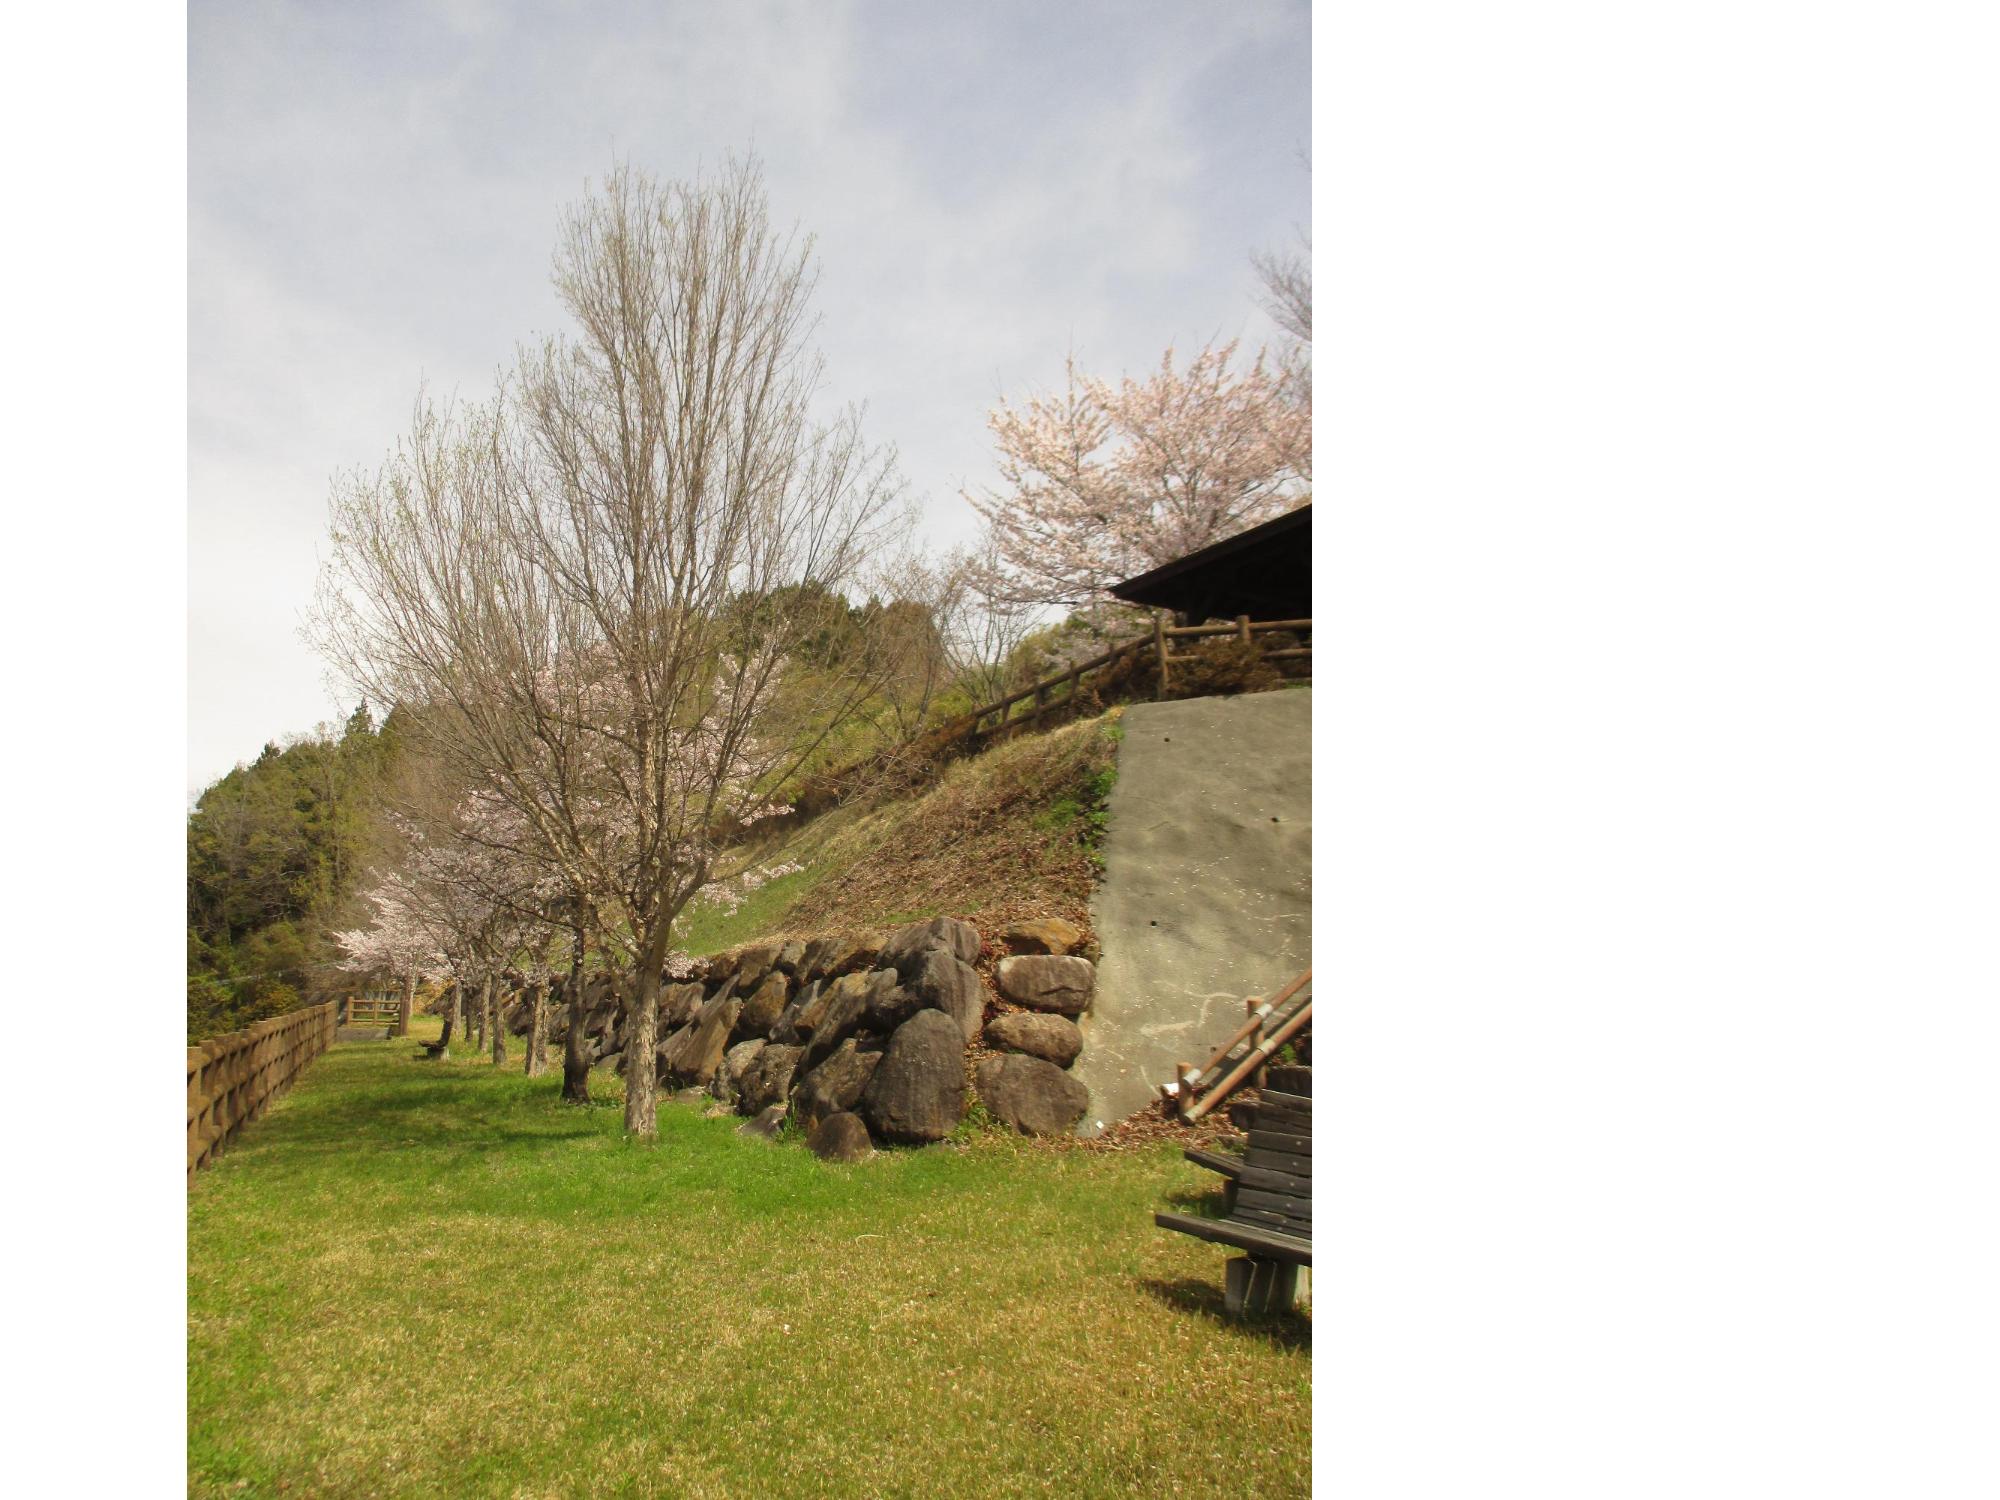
(871, 1039)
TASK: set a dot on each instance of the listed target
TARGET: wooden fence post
(1160, 649)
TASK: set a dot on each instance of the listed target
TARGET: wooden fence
(372, 1009)
(1054, 697)
(1055, 693)
(233, 1079)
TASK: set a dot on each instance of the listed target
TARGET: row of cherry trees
(600, 597)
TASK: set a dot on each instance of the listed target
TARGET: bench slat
(1291, 1122)
(1277, 1203)
(1270, 1243)
(1279, 1140)
(1280, 1161)
(1264, 1219)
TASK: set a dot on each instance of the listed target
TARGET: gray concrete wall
(1207, 893)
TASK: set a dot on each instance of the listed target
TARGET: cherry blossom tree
(595, 584)
(398, 943)
(1106, 481)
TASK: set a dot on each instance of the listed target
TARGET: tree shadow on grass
(432, 1114)
(1204, 1299)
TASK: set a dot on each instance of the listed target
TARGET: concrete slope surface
(1207, 893)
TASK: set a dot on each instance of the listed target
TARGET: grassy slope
(415, 1279)
(1001, 836)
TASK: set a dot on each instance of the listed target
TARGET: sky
(373, 192)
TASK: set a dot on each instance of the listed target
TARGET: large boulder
(940, 981)
(918, 1091)
(843, 1005)
(790, 957)
(1042, 935)
(1035, 1097)
(1046, 982)
(835, 954)
(1054, 1039)
(728, 1077)
(904, 944)
(786, 1028)
(889, 1004)
(763, 1007)
(679, 1003)
(836, 1084)
(841, 1137)
(767, 1078)
(691, 1057)
(753, 963)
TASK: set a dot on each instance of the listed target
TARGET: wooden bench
(1266, 1199)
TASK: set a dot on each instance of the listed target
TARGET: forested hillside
(274, 849)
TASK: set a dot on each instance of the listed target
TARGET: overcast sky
(373, 193)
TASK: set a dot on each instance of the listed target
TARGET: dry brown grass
(999, 838)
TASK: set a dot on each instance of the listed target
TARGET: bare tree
(1288, 288)
(596, 583)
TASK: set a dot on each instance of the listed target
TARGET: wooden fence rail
(233, 1079)
(1156, 643)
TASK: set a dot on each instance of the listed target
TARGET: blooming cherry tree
(1107, 481)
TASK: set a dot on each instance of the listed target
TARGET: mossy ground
(435, 1279)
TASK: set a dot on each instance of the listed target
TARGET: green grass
(703, 929)
(435, 1279)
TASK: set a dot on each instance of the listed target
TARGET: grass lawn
(435, 1279)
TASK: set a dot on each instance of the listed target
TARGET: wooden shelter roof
(1265, 572)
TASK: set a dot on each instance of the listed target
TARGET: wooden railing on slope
(970, 732)
(233, 1079)
(1070, 679)
(1269, 1025)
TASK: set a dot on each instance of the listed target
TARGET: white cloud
(373, 194)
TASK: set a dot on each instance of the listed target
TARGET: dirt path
(1207, 893)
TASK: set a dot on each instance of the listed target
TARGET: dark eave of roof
(1171, 583)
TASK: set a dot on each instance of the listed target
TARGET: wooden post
(1252, 1005)
(1243, 629)
(1160, 650)
(1257, 1288)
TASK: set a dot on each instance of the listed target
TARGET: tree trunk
(538, 1061)
(455, 1019)
(409, 1006)
(485, 1011)
(576, 1046)
(499, 1029)
(641, 1033)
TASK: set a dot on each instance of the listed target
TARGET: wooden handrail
(1258, 1056)
(1237, 627)
(1073, 674)
(1255, 1018)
